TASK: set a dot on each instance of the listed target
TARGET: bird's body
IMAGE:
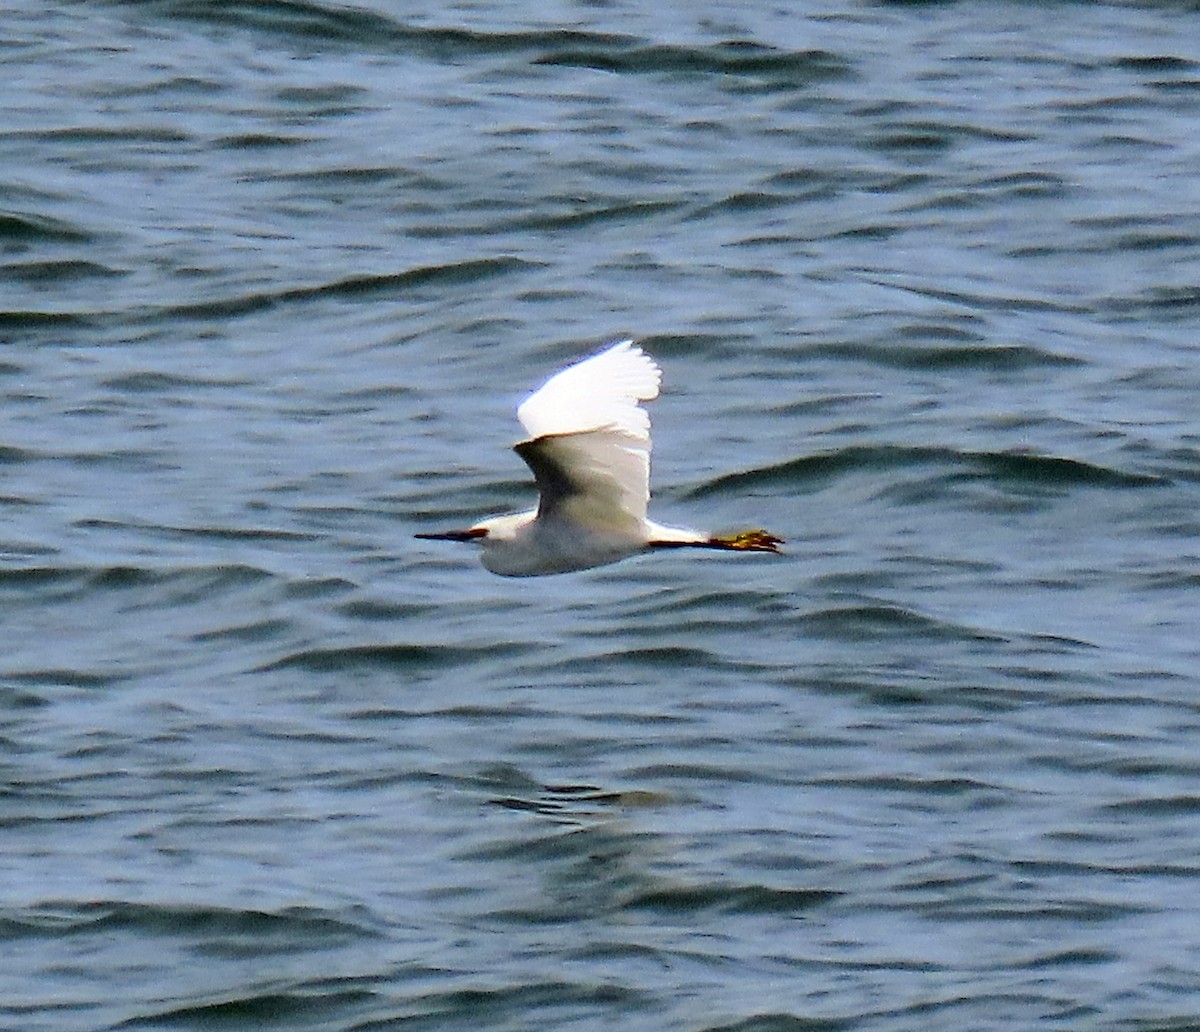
(522, 545)
(589, 450)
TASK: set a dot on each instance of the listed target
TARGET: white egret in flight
(589, 449)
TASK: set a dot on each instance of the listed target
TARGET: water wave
(387, 284)
(1001, 468)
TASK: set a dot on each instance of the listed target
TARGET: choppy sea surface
(924, 279)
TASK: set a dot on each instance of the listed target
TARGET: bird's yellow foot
(749, 541)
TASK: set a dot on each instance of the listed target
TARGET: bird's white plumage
(599, 393)
(590, 441)
(589, 450)
(598, 478)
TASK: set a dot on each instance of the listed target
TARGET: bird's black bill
(454, 535)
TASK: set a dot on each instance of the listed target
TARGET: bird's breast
(546, 547)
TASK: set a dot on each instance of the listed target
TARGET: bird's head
(497, 531)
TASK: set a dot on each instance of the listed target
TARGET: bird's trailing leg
(746, 541)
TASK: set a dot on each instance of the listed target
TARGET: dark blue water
(924, 280)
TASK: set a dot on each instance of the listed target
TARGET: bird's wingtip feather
(602, 390)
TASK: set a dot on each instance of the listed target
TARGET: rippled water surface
(925, 283)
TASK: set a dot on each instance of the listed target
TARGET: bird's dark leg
(746, 541)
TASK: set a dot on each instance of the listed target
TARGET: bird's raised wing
(600, 393)
(599, 479)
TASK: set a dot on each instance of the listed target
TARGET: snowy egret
(589, 449)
